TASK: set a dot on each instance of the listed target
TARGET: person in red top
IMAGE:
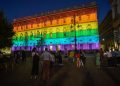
(77, 55)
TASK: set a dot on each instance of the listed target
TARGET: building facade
(60, 30)
(115, 4)
(106, 32)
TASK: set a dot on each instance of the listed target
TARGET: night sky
(21, 8)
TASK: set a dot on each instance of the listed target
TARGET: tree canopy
(6, 31)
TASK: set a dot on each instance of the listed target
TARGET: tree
(6, 31)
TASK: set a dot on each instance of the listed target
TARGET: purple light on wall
(90, 46)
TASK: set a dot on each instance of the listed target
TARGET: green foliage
(6, 31)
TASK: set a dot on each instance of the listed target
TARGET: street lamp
(26, 40)
(74, 24)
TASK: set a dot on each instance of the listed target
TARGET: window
(26, 26)
(44, 23)
(50, 33)
(51, 22)
(64, 20)
(21, 36)
(31, 35)
(72, 20)
(89, 26)
(79, 18)
(80, 27)
(26, 36)
(21, 27)
(44, 33)
(37, 24)
(31, 25)
(16, 29)
(90, 40)
(57, 32)
(64, 31)
(88, 16)
(16, 38)
(115, 9)
(81, 46)
(38, 33)
(90, 46)
(57, 21)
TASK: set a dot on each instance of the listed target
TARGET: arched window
(21, 36)
(64, 31)
(31, 35)
(81, 46)
(80, 27)
(38, 33)
(57, 32)
(57, 21)
(16, 37)
(44, 23)
(90, 46)
(44, 33)
(89, 26)
(79, 18)
(50, 34)
(64, 20)
(72, 30)
(26, 36)
(31, 25)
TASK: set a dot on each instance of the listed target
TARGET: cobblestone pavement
(67, 75)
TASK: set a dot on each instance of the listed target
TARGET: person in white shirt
(47, 57)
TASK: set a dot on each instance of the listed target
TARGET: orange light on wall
(68, 20)
(48, 23)
(89, 15)
(35, 25)
(61, 21)
(54, 22)
(14, 28)
(93, 16)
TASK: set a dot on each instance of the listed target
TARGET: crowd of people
(108, 57)
(50, 58)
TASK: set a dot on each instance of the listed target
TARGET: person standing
(98, 59)
(102, 59)
(35, 64)
(47, 57)
(23, 56)
(78, 61)
(83, 58)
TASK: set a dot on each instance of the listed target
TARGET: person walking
(47, 57)
(78, 61)
(35, 64)
(83, 58)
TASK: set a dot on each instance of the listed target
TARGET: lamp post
(40, 40)
(26, 40)
(74, 24)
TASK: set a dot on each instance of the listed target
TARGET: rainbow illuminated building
(56, 30)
